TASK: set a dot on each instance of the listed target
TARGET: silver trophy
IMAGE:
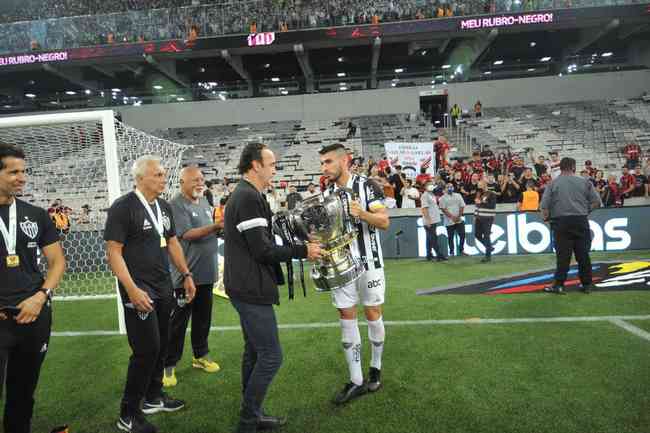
(325, 220)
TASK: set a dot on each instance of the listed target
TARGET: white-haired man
(140, 239)
(366, 204)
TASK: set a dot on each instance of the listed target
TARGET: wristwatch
(187, 275)
(48, 292)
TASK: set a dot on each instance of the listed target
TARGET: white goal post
(78, 163)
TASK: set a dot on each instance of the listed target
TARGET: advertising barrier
(612, 229)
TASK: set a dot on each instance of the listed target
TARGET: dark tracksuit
(23, 347)
(129, 224)
(484, 218)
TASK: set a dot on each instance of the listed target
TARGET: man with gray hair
(198, 237)
(140, 239)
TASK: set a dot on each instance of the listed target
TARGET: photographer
(509, 189)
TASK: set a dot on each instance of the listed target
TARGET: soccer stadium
(402, 128)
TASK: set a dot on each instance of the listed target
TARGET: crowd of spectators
(59, 24)
(516, 178)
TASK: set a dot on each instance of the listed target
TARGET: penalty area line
(620, 321)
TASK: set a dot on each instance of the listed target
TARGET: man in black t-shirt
(140, 239)
(25, 314)
(486, 202)
(397, 180)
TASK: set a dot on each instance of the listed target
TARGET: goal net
(77, 165)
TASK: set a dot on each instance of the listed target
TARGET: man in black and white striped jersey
(368, 206)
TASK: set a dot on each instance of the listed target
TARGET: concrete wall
(497, 93)
(548, 90)
(300, 107)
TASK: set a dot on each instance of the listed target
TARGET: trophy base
(328, 278)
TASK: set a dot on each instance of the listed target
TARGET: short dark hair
(9, 150)
(327, 149)
(567, 164)
(252, 152)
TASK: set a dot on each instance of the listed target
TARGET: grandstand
(595, 130)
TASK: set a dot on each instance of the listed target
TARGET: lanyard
(10, 235)
(156, 219)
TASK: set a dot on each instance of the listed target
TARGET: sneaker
(557, 289)
(349, 392)
(486, 259)
(374, 379)
(135, 424)
(164, 403)
(270, 422)
(219, 291)
(169, 377)
(442, 259)
(205, 364)
(586, 288)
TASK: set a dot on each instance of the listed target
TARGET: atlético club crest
(30, 228)
(166, 222)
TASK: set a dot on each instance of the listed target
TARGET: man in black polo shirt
(25, 311)
(251, 274)
(140, 238)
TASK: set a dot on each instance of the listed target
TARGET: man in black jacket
(251, 274)
(486, 203)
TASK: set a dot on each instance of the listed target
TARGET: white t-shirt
(430, 203)
(452, 203)
(410, 195)
(553, 168)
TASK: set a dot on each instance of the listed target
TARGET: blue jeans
(262, 355)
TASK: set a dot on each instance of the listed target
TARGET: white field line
(617, 320)
(631, 328)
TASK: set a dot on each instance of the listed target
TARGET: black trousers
(572, 236)
(148, 335)
(22, 352)
(262, 355)
(456, 229)
(200, 310)
(432, 241)
(398, 199)
(482, 231)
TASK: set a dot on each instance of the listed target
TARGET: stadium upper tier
(61, 24)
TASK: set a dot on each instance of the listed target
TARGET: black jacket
(252, 259)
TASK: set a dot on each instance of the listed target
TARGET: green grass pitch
(575, 377)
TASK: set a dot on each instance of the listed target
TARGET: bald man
(197, 234)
